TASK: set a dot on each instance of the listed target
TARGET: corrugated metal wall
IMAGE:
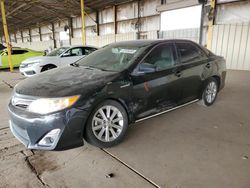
(189, 34)
(127, 17)
(232, 41)
(103, 40)
(38, 45)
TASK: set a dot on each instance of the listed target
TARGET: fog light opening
(50, 138)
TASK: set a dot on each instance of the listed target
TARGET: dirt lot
(191, 147)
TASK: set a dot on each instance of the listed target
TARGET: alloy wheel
(107, 123)
(211, 92)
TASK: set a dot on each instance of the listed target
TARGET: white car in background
(60, 57)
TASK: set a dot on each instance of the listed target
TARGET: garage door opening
(183, 23)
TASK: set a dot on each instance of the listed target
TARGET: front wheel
(210, 92)
(107, 125)
(48, 67)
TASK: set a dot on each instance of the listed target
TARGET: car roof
(140, 43)
(77, 46)
(18, 48)
(15, 48)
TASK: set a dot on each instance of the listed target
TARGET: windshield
(58, 51)
(112, 57)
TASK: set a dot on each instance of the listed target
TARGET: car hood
(39, 59)
(65, 81)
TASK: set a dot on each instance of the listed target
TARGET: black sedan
(122, 83)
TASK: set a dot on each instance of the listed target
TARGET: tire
(107, 125)
(48, 67)
(210, 92)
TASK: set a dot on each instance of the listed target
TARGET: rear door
(158, 89)
(194, 63)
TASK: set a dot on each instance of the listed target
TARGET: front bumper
(31, 128)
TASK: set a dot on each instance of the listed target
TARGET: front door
(71, 56)
(155, 81)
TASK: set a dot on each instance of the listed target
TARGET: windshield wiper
(97, 68)
(74, 64)
(92, 68)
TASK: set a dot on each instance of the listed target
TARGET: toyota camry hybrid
(97, 97)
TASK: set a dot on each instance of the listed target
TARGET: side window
(15, 52)
(162, 57)
(24, 51)
(18, 52)
(76, 52)
(189, 53)
(88, 51)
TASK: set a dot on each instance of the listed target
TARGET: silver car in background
(59, 57)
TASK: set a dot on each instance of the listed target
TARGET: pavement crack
(3, 128)
(131, 168)
(33, 169)
(6, 83)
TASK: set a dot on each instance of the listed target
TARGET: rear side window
(18, 52)
(88, 51)
(189, 53)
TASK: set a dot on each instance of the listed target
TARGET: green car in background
(18, 55)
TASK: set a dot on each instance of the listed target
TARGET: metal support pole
(115, 21)
(115, 18)
(202, 23)
(40, 34)
(30, 37)
(138, 19)
(71, 29)
(211, 23)
(6, 35)
(53, 34)
(15, 38)
(22, 36)
(97, 24)
(83, 23)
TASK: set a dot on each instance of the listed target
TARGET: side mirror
(146, 68)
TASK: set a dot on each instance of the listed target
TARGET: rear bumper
(30, 128)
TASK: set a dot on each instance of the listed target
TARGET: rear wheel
(48, 67)
(210, 92)
(107, 125)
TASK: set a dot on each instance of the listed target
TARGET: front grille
(30, 72)
(22, 106)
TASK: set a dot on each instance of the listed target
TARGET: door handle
(208, 65)
(178, 73)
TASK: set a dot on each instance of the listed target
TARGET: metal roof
(23, 14)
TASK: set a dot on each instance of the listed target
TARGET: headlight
(48, 105)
